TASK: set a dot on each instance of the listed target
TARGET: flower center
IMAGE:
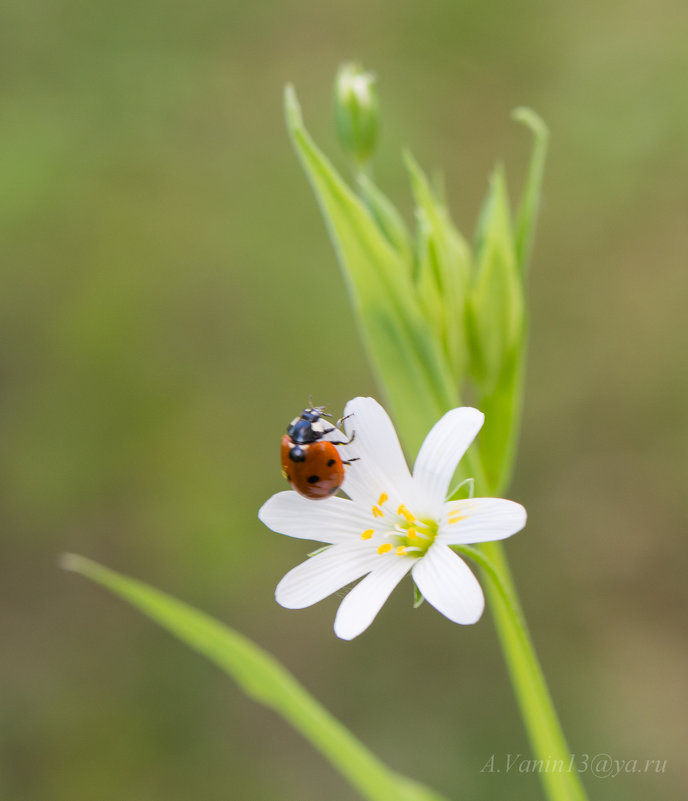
(403, 533)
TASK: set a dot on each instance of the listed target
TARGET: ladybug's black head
(311, 415)
(314, 413)
(308, 427)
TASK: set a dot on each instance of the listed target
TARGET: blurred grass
(169, 299)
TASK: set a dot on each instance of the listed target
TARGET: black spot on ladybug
(313, 479)
(297, 454)
(330, 463)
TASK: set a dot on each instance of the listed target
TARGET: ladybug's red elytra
(310, 463)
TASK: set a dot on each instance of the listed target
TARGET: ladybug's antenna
(319, 409)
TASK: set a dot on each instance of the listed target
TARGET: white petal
(441, 451)
(381, 466)
(357, 611)
(323, 574)
(482, 520)
(446, 582)
(330, 520)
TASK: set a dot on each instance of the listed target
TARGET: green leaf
(498, 319)
(464, 489)
(402, 349)
(387, 217)
(498, 439)
(496, 316)
(443, 269)
(497, 325)
(318, 550)
(263, 679)
(530, 200)
(428, 288)
(417, 597)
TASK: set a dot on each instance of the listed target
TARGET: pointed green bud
(496, 319)
(356, 111)
(443, 265)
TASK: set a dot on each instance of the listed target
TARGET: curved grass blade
(264, 679)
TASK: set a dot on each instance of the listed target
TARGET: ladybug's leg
(353, 459)
(330, 430)
(348, 442)
(336, 427)
(353, 433)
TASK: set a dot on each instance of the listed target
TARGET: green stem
(562, 782)
(540, 719)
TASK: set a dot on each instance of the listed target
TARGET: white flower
(394, 523)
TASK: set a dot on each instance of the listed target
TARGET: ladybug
(311, 464)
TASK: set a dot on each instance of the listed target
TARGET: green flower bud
(496, 308)
(356, 111)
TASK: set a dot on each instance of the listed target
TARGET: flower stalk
(535, 702)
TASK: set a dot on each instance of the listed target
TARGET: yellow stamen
(384, 548)
(412, 534)
(404, 512)
(453, 520)
(401, 550)
(378, 512)
(367, 534)
(384, 497)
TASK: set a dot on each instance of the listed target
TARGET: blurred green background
(169, 300)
